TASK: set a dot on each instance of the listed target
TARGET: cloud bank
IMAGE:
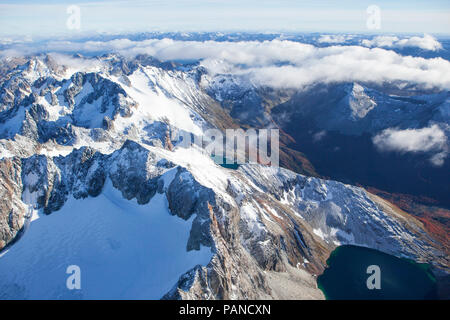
(430, 139)
(276, 63)
(427, 42)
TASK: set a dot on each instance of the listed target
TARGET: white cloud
(334, 38)
(380, 41)
(439, 158)
(277, 63)
(429, 139)
(77, 63)
(428, 42)
(318, 136)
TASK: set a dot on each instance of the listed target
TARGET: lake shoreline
(347, 276)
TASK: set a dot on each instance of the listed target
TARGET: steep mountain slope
(255, 219)
(323, 122)
(354, 109)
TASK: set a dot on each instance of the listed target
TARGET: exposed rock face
(12, 210)
(135, 172)
(271, 230)
(344, 214)
(187, 197)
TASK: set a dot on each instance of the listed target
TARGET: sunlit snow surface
(124, 250)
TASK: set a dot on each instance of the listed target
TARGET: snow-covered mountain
(355, 109)
(93, 173)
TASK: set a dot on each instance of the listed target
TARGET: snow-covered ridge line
(99, 108)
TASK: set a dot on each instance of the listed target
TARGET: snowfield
(124, 250)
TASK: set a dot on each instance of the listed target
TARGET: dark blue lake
(346, 276)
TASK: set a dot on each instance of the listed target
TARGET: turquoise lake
(401, 279)
(223, 163)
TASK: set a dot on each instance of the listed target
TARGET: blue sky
(48, 18)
